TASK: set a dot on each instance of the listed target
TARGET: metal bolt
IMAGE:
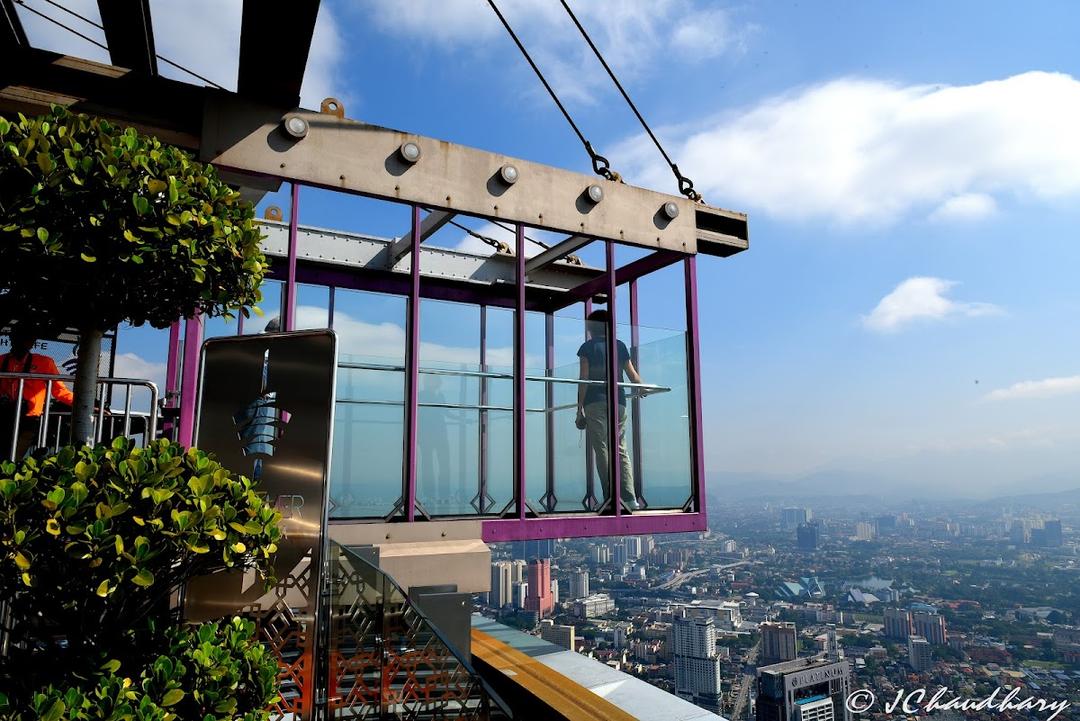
(595, 193)
(671, 209)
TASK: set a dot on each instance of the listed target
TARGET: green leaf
(103, 589)
(42, 234)
(22, 561)
(172, 698)
(112, 665)
(143, 578)
(88, 258)
(55, 711)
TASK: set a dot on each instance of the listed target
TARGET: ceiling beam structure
(275, 39)
(129, 34)
(11, 29)
(428, 226)
(556, 252)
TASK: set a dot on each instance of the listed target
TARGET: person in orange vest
(21, 359)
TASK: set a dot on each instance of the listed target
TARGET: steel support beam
(631, 271)
(431, 223)
(556, 252)
(355, 157)
(168, 109)
(129, 34)
(11, 29)
(275, 39)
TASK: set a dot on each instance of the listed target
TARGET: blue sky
(907, 310)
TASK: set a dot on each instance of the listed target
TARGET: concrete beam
(431, 223)
(351, 156)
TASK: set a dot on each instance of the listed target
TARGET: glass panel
(448, 416)
(312, 306)
(498, 450)
(366, 471)
(662, 418)
(270, 306)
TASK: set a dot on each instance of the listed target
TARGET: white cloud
(921, 299)
(385, 342)
(965, 208)
(858, 151)
(202, 35)
(1045, 388)
(132, 365)
(632, 34)
(709, 34)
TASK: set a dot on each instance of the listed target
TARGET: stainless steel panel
(266, 409)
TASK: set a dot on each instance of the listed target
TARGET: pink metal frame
(520, 523)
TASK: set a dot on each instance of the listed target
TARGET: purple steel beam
(412, 369)
(631, 271)
(694, 379)
(189, 387)
(289, 321)
(584, 525)
(519, 370)
(590, 490)
(549, 501)
(613, 374)
(635, 341)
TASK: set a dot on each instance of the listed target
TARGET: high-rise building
(620, 556)
(807, 535)
(728, 546)
(501, 593)
(885, 524)
(920, 653)
(539, 595)
(579, 584)
(778, 642)
(601, 554)
(633, 547)
(897, 624)
(558, 635)
(697, 665)
(930, 626)
(791, 517)
(555, 590)
(1019, 532)
(517, 571)
(806, 689)
(1049, 536)
(864, 531)
(521, 592)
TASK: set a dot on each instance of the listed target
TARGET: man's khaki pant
(596, 429)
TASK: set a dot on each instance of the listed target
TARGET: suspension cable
(600, 164)
(99, 26)
(686, 186)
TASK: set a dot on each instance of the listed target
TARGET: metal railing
(145, 425)
(385, 659)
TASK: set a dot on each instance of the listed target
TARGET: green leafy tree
(101, 224)
(95, 542)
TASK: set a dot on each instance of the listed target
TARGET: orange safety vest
(33, 389)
